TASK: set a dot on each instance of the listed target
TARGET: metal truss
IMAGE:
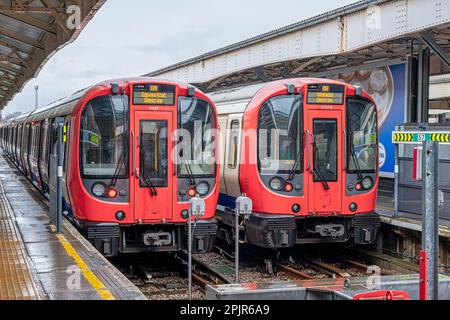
(30, 32)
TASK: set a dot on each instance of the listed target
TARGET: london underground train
(124, 184)
(306, 152)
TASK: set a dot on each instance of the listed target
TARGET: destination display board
(154, 94)
(325, 94)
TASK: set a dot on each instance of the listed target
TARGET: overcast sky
(134, 37)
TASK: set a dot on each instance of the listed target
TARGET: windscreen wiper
(190, 174)
(355, 157)
(153, 190)
(293, 171)
(318, 174)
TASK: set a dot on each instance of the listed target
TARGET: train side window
(66, 144)
(43, 150)
(233, 146)
(36, 131)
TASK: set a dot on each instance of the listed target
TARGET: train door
(223, 125)
(324, 161)
(232, 155)
(152, 154)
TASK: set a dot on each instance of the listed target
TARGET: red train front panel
(126, 189)
(315, 178)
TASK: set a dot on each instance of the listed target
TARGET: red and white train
(306, 152)
(122, 186)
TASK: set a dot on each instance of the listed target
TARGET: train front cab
(317, 177)
(134, 197)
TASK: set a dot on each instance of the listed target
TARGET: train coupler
(365, 228)
(104, 237)
(271, 232)
(203, 236)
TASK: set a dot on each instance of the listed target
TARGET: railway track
(202, 273)
(218, 268)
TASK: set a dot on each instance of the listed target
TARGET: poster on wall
(387, 87)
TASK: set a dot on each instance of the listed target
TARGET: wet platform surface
(36, 263)
(385, 208)
(16, 279)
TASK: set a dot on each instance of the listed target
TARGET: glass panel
(104, 138)
(325, 149)
(196, 138)
(153, 153)
(362, 136)
(280, 135)
(233, 149)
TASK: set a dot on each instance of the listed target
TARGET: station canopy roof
(31, 31)
(359, 36)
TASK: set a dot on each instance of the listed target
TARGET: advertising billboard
(387, 86)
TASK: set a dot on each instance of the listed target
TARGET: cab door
(153, 173)
(324, 140)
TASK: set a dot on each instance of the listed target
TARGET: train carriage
(125, 184)
(306, 152)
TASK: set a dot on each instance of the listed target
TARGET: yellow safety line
(95, 282)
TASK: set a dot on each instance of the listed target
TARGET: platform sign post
(430, 210)
(396, 181)
(244, 207)
(196, 210)
(432, 200)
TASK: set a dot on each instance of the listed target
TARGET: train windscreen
(104, 137)
(280, 129)
(196, 138)
(362, 136)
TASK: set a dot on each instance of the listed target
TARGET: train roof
(66, 105)
(235, 100)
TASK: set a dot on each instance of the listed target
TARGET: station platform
(38, 264)
(385, 208)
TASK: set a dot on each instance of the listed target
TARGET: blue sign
(394, 116)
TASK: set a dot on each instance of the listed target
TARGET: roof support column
(423, 83)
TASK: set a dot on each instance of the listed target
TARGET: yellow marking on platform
(95, 282)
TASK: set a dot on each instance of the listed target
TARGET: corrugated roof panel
(29, 34)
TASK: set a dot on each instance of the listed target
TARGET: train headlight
(99, 189)
(203, 188)
(185, 214)
(276, 184)
(192, 192)
(288, 187)
(367, 183)
(353, 207)
(120, 215)
(112, 193)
